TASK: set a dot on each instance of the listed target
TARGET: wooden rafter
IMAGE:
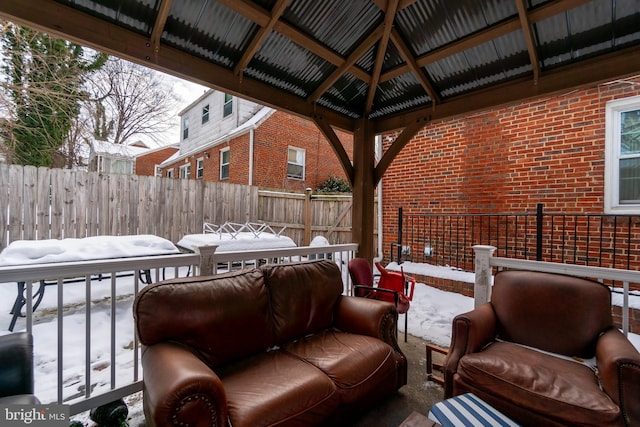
(543, 12)
(625, 62)
(158, 26)
(351, 59)
(528, 38)
(383, 4)
(261, 35)
(387, 26)
(261, 17)
(415, 68)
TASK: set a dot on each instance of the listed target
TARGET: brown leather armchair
(545, 352)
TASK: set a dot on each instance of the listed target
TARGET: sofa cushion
(359, 365)
(527, 309)
(564, 390)
(303, 297)
(222, 317)
(276, 388)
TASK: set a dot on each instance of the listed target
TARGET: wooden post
(363, 215)
(207, 259)
(307, 216)
(482, 286)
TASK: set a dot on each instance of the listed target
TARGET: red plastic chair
(392, 286)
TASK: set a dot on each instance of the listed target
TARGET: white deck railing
(485, 261)
(94, 274)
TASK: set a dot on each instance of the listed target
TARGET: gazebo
(365, 66)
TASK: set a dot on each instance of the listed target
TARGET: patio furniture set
(281, 344)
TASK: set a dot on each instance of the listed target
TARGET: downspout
(250, 179)
(251, 133)
(378, 155)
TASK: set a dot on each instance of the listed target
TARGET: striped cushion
(467, 410)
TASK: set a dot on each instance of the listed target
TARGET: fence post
(482, 285)
(539, 216)
(207, 259)
(307, 216)
(399, 246)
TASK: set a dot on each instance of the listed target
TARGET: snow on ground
(429, 318)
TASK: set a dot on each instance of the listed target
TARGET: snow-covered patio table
(31, 252)
(242, 241)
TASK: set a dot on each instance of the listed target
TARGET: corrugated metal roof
(314, 38)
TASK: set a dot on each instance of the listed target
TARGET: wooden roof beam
(261, 17)
(527, 32)
(403, 139)
(353, 57)
(406, 53)
(158, 26)
(498, 30)
(261, 35)
(336, 144)
(387, 26)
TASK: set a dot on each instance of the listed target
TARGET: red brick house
(225, 138)
(577, 152)
(147, 163)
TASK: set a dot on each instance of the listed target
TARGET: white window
(228, 105)
(107, 164)
(224, 163)
(295, 163)
(157, 171)
(185, 171)
(170, 173)
(200, 168)
(622, 156)
(185, 128)
(205, 114)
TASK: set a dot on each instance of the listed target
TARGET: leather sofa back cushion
(526, 304)
(223, 317)
(303, 297)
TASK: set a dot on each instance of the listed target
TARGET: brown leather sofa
(276, 345)
(501, 353)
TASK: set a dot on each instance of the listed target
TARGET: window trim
(199, 167)
(222, 165)
(185, 127)
(186, 167)
(226, 102)
(304, 161)
(205, 114)
(613, 112)
(170, 173)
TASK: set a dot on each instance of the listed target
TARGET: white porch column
(207, 259)
(482, 286)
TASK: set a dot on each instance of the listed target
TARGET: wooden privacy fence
(42, 203)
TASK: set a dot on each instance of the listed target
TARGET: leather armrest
(16, 364)
(618, 363)
(179, 388)
(366, 316)
(470, 333)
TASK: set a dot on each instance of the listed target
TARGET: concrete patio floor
(418, 395)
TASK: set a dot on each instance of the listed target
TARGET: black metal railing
(585, 239)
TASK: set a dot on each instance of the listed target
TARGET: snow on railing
(100, 317)
(485, 261)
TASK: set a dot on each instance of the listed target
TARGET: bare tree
(131, 100)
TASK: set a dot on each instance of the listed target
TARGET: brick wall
(271, 142)
(548, 151)
(145, 164)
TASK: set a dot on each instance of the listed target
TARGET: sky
(186, 92)
(430, 316)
